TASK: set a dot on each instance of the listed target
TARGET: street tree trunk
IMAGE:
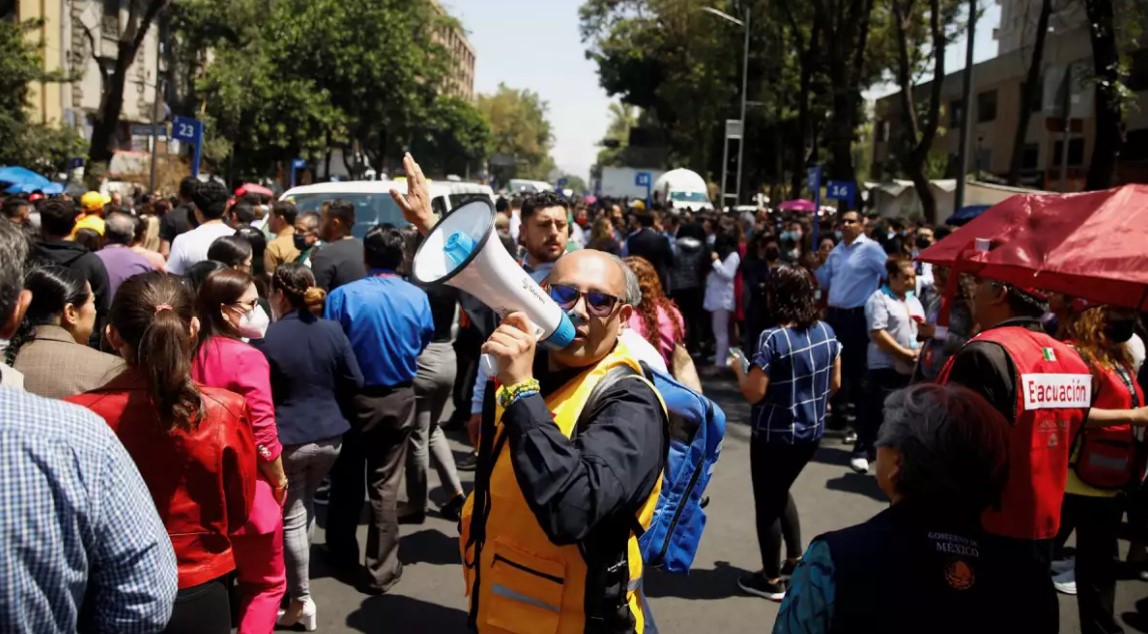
(1109, 114)
(846, 29)
(920, 136)
(1030, 93)
(807, 59)
(112, 101)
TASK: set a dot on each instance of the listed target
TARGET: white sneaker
(1061, 566)
(859, 464)
(1065, 583)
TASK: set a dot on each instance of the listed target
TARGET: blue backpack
(697, 427)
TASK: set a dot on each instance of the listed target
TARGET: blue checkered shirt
(81, 544)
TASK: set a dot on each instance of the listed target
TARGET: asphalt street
(429, 598)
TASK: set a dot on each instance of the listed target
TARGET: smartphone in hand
(744, 360)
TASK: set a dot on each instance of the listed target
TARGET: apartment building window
(1135, 146)
(1037, 97)
(1030, 158)
(987, 106)
(956, 111)
(1075, 153)
(1138, 71)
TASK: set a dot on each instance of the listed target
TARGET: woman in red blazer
(192, 444)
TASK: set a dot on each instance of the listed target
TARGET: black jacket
(910, 570)
(77, 257)
(655, 248)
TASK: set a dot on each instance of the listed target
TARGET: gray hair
(953, 445)
(633, 290)
(13, 254)
(120, 228)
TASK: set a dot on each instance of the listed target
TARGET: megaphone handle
(489, 365)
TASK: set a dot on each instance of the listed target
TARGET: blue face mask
(786, 235)
(838, 235)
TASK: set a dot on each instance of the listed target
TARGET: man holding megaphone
(568, 474)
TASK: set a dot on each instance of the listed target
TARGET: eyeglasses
(248, 305)
(597, 304)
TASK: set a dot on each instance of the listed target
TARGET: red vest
(1106, 457)
(1054, 393)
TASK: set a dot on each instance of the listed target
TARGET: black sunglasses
(597, 304)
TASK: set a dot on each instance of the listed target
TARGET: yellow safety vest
(525, 583)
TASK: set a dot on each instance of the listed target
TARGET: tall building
(995, 111)
(460, 80)
(70, 31)
(1019, 19)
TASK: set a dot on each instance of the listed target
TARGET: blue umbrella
(50, 189)
(14, 175)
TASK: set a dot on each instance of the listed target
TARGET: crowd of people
(236, 362)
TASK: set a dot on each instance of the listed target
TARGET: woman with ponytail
(314, 374)
(229, 310)
(192, 444)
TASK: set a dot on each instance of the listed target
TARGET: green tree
(520, 132)
(43, 148)
(575, 183)
(623, 117)
(453, 138)
(920, 123)
(114, 73)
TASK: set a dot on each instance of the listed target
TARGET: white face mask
(253, 325)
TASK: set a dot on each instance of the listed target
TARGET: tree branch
(95, 51)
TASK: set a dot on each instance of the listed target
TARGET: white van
(373, 202)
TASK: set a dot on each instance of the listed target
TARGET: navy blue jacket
(314, 374)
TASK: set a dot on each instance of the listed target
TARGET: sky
(535, 44)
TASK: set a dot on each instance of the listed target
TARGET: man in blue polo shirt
(388, 322)
(851, 273)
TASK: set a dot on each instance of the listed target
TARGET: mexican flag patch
(1048, 353)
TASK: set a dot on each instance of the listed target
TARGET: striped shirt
(799, 365)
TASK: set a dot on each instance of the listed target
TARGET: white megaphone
(463, 251)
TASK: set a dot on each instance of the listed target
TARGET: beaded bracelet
(508, 394)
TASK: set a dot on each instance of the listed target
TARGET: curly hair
(1085, 330)
(792, 297)
(653, 300)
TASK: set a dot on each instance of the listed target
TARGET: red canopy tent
(254, 188)
(1092, 245)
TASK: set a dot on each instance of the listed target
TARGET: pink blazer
(235, 366)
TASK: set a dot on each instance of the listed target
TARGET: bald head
(603, 272)
(590, 271)
(119, 228)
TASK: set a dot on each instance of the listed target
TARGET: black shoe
(788, 567)
(453, 510)
(757, 585)
(469, 462)
(705, 501)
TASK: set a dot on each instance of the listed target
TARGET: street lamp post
(744, 24)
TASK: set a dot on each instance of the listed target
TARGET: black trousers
(851, 330)
(880, 383)
(1097, 522)
(689, 302)
(467, 351)
(371, 464)
(202, 609)
(774, 468)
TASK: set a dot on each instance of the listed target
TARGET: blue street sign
(843, 191)
(642, 179)
(562, 183)
(815, 189)
(75, 163)
(296, 165)
(188, 130)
